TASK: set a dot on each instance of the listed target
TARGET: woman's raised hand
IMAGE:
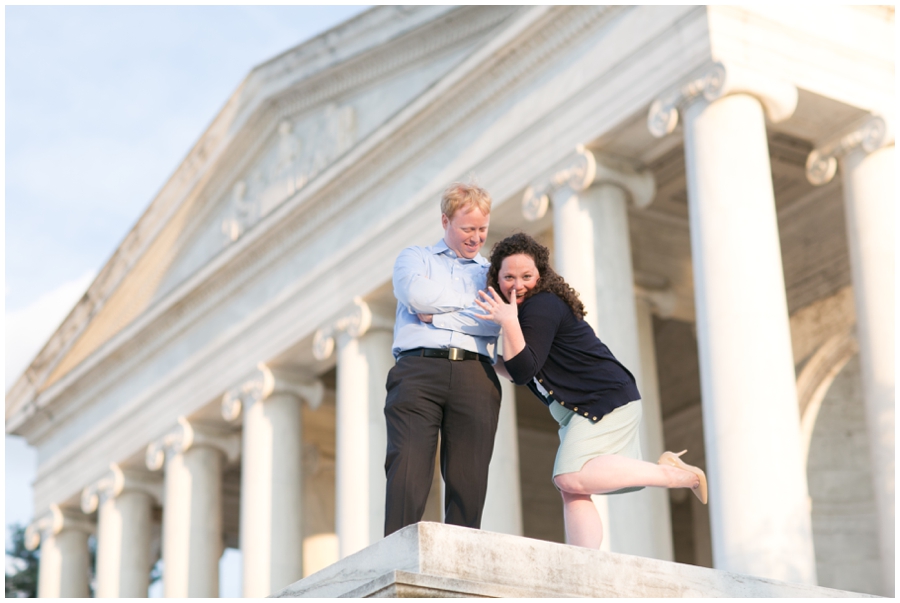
(496, 309)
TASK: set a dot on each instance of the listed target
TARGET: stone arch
(835, 454)
(816, 378)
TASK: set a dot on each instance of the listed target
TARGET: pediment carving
(429, 120)
(302, 148)
(306, 79)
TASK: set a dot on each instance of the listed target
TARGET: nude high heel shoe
(671, 458)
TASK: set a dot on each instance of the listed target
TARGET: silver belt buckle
(457, 354)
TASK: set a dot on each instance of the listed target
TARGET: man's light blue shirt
(434, 280)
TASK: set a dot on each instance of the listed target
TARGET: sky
(102, 104)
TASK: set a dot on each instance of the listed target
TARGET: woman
(548, 346)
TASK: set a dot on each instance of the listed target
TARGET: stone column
(64, 569)
(271, 531)
(867, 162)
(655, 519)
(193, 456)
(759, 504)
(364, 357)
(593, 253)
(503, 506)
(124, 531)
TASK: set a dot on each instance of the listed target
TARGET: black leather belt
(450, 353)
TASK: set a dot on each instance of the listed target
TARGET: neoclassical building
(716, 182)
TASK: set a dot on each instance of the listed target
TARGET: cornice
(534, 39)
(350, 38)
(211, 163)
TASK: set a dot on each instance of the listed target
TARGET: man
(443, 381)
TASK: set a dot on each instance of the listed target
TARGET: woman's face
(518, 275)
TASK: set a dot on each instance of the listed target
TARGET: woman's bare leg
(610, 473)
(583, 525)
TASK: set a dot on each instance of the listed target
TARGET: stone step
(437, 560)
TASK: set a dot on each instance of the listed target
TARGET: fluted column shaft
(868, 180)
(760, 517)
(363, 363)
(503, 505)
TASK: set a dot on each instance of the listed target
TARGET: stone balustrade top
(432, 559)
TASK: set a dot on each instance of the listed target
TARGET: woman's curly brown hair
(549, 279)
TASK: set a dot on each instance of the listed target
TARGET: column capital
(712, 82)
(870, 134)
(656, 292)
(581, 170)
(354, 321)
(265, 381)
(52, 522)
(114, 483)
(316, 460)
(187, 435)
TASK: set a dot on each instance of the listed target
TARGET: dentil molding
(869, 134)
(263, 382)
(584, 169)
(187, 435)
(778, 97)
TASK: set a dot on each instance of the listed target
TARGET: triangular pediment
(290, 119)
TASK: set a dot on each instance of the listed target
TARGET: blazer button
(575, 409)
(586, 414)
(561, 402)
(595, 418)
(550, 392)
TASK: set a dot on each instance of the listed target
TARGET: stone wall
(840, 486)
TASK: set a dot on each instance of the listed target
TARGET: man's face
(466, 231)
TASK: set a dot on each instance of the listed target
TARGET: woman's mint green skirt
(581, 440)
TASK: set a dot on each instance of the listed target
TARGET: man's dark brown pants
(460, 399)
